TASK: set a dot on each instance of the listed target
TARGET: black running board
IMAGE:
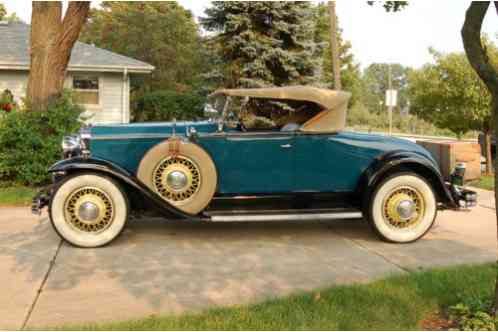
(255, 217)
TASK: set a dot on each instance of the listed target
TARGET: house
(100, 79)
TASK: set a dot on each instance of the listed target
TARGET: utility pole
(334, 47)
(390, 105)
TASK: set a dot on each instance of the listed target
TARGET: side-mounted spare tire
(181, 173)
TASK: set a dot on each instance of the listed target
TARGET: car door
(257, 163)
(328, 162)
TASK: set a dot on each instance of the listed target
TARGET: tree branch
(476, 53)
(76, 15)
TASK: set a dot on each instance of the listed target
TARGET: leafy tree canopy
(264, 43)
(450, 94)
(163, 34)
(376, 82)
(391, 6)
(3, 11)
(10, 18)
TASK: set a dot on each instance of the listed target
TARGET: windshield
(261, 113)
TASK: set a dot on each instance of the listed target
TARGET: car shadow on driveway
(159, 266)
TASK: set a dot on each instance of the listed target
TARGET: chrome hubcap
(88, 211)
(406, 209)
(403, 207)
(177, 180)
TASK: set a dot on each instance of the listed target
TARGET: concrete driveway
(172, 267)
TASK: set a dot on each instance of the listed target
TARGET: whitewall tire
(403, 208)
(89, 210)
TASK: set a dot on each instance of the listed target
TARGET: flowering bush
(30, 141)
(7, 103)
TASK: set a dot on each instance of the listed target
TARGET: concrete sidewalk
(172, 267)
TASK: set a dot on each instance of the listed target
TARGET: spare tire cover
(181, 173)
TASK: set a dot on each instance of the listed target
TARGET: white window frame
(99, 90)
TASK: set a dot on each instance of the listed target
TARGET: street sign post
(391, 98)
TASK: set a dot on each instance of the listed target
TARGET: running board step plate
(287, 217)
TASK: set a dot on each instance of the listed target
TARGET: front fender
(79, 164)
(395, 161)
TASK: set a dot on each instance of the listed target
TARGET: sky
(376, 36)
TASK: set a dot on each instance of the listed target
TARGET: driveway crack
(40, 289)
(367, 249)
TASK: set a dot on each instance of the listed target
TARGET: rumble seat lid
(333, 102)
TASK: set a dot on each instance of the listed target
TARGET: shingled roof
(14, 53)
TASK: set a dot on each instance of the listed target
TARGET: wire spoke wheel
(177, 179)
(89, 210)
(404, 207)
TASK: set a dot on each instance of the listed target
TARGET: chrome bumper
(41, 199)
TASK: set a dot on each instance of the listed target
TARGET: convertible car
(263, 155)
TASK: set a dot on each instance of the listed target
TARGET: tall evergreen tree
(264, 43)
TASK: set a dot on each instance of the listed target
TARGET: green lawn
(485, 182)
(16, 195)
(397, 303)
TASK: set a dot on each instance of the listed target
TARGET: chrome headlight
(71, 145)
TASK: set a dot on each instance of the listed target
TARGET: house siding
(16, 82)
(113, 108)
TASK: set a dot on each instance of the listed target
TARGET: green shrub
(473, 314)
(30, 141)
(167, 105)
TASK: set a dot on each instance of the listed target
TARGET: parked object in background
(448, 154)
(481, 139)
(221, 170)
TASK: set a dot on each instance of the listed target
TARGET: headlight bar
(71, 143)
(77, 144)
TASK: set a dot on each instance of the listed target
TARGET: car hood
(386, 144)
(153, 128)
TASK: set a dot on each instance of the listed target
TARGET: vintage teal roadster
(302, 167)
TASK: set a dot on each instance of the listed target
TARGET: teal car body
(263, 162)
(226, 169)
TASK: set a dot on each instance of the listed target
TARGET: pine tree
(264, 43)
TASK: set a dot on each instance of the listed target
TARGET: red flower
(6, 107)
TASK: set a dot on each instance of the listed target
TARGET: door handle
(285, 146)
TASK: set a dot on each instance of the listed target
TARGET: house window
(86, 90)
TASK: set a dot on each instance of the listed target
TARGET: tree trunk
(495, 119)
(52, 40)
(476, 54)
(334, 47)
(488, 154)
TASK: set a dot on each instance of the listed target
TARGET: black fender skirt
(78, 164)
(391, 162)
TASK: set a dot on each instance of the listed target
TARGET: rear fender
(399, 161)
(78, 164)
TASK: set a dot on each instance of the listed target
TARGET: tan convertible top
(333, 102)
